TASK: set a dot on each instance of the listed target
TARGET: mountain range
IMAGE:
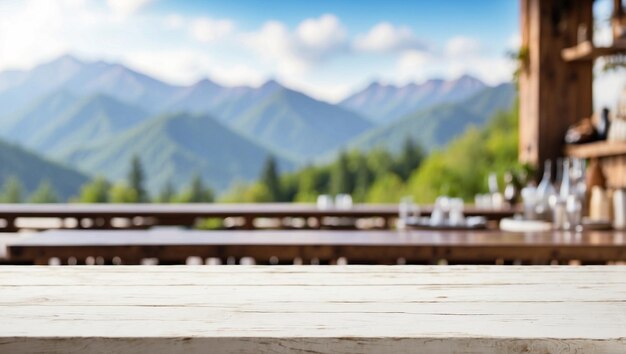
(437, 125)
(95, 116)
(386, 103)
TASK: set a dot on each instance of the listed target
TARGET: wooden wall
(553, 93)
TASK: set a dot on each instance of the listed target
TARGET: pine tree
(340, 179)
(12, 190)
(197, 192)
(270, 179)
(363, 179)
(44, 193)
(167, 193)
(410, 159)
(136, 179)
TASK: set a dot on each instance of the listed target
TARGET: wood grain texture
(344, 309)
(553, 93)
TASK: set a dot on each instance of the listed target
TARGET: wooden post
(553, 93)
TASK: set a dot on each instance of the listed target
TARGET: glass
(440, 213)
(566, 187)
(529, 198)
(408, 211)
(483, 201)
(343, 201)
(579, 186)
(545, 189)
(324, 202)
(559, 213)
(574, 210)
(457, 218)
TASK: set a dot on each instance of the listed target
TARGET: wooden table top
(407, 238)
(314, 309)
(378, 247)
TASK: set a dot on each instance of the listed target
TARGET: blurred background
(275, 101)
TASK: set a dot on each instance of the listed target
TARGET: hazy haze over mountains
(386, 103)
(435, 126)
(95, 116)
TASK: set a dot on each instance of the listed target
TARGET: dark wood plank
(210, 210)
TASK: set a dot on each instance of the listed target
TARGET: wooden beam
(553, 93)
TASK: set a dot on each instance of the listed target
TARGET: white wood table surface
(313, 309)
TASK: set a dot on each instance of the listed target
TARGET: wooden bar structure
(325, 247)
(338, 310)
(554, 92)
(555, 83)
(100, 216)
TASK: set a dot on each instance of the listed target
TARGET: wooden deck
(369, 247)
(349, 309)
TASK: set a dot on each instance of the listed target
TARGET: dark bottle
(603, 124)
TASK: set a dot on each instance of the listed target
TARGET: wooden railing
(242, 216)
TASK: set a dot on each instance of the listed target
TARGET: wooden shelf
(586, 51)
(597, 149)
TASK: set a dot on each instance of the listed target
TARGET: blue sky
(325, 48)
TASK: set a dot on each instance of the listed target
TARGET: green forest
(377, 176)
(460, 170)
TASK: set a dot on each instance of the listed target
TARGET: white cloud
(236, 74)
(208, 30)
(466, 55)
(316, 55)
(320, 37)
(492, 70)
(179, 66)
(124, 8)
(313, 41)
(459, 55)
(462, 47)
(515, 41)
(185, 67)
(174, 21)
(413, 65)
(413, 60)
(33, 32)
(386, 38)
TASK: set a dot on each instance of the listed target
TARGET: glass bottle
(559, 173)
(566, 187)
(510, 189)
(546, 180)
(544, 190)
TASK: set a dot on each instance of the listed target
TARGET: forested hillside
(459, 170)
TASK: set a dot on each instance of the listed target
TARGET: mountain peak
(468, 79)
(464, 83)
(271, 84)
(67, 58)
(374, 85)
(206, 82)
(64, 62)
